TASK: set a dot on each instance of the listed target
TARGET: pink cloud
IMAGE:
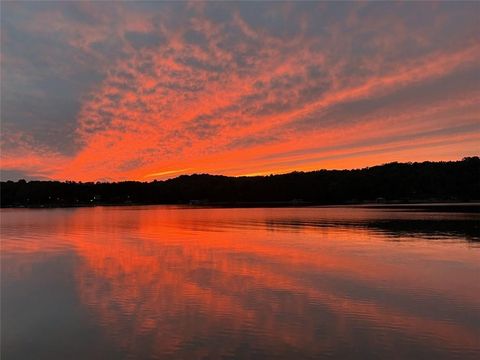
(197, 93)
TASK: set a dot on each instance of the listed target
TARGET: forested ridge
(393, 182)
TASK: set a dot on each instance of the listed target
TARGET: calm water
(287, 283)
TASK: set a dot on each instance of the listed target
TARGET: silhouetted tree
(427, 181)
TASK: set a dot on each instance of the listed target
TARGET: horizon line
(252, 175)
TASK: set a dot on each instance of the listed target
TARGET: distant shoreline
(393, 184)
(463, 207)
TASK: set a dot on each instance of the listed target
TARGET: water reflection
(171, 282)
(404, 229)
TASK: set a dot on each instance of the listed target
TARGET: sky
(111, 91)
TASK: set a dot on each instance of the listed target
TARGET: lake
(166, 282)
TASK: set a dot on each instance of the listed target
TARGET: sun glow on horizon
(168, 172)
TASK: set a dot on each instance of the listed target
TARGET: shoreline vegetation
(451, 185)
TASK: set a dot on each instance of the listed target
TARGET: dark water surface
(287, 283)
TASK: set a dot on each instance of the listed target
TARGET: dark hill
(402, 182)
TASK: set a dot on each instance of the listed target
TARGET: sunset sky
(114, 91)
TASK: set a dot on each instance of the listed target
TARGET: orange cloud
(212, 95)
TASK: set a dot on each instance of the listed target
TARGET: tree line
(392, 182)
